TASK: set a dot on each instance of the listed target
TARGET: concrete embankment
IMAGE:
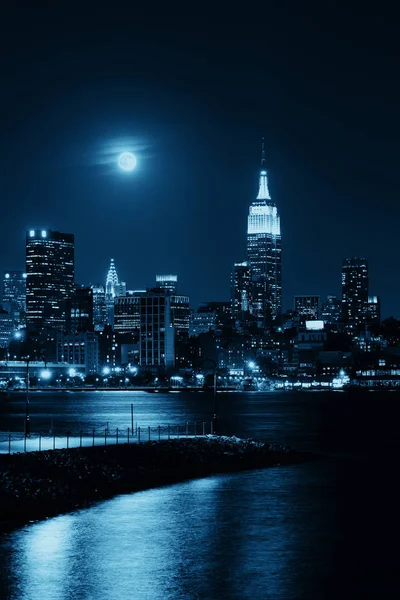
(43, 484)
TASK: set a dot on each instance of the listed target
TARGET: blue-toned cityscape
(108, 335)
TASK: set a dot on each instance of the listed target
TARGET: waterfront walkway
(14, 442)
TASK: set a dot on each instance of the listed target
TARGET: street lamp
(27, 417)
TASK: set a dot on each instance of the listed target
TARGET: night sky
(192, 95)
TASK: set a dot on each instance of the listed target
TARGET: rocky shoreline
(38, 485)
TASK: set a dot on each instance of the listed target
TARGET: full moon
(127, 161)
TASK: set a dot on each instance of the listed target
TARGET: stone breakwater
(38, 485)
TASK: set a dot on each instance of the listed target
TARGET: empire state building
(264, 252)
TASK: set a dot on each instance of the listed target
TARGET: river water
(323, 530)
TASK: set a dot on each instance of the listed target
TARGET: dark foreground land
(38, 485)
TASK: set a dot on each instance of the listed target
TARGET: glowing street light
(127, 161)
(45, 374)
(106, 371)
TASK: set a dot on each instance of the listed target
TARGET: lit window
(31, 233)
(44, 233)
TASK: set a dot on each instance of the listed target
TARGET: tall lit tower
(355, 291)
(112, 284)
(264, 252)
(50, 278)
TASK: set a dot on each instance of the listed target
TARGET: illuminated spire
(263, 192)
(112, 280)
(262, 154)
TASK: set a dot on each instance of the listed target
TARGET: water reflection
(238, 536)
(313, 531)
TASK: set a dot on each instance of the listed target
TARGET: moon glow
(127, 161)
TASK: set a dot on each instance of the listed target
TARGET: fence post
(177, 431)
(195, 429)
(138, 433)
(187, 429)
(128, 436)
(9, 443)
(204, 431)
(169, 432)
(25, 443)
(80, 438)
(116, 437)
(149, 432)
(67, 439)
(54, 440)
(105, 436)
(40, 442)
(159, 432)
(93, 436)
(211, 428)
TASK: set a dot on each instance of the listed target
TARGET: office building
(373, 310)
(99, 307)
(307, 308)
(264, 253)
(331, 310)
(240, 292)
(79, 315)
(354, 291)
(79, 349)
(167, 282)
(180, 315)
(157, 337)
(14, 290)
(50, 278)
(114, 288)
(127, 312)
(7, 328)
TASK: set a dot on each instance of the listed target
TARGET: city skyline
(195, 129)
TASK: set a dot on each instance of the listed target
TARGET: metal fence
(12, 442)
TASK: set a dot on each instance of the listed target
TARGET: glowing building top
(112, 280)
(263, 213)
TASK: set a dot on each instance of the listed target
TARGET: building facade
(99, 307)
(264, 253)
(6, 329)
(373, 310)
(307, 308)
(79, 316)
(354, 291)
(80, 349)
(127, 312)
(14, 290)
(180, 315)
(157, 336)
(331, 310)
(49, 278)
(167, 282)
(241, 298)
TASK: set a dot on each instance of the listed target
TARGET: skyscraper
(79, 315)
(157, 339)
(14, 290)
(307, 307)
(50, 278)
(113, 288)
(99, 307)
(167, 282)
(330, 312)
(354, 291)
(264, 252)
(240, 292)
